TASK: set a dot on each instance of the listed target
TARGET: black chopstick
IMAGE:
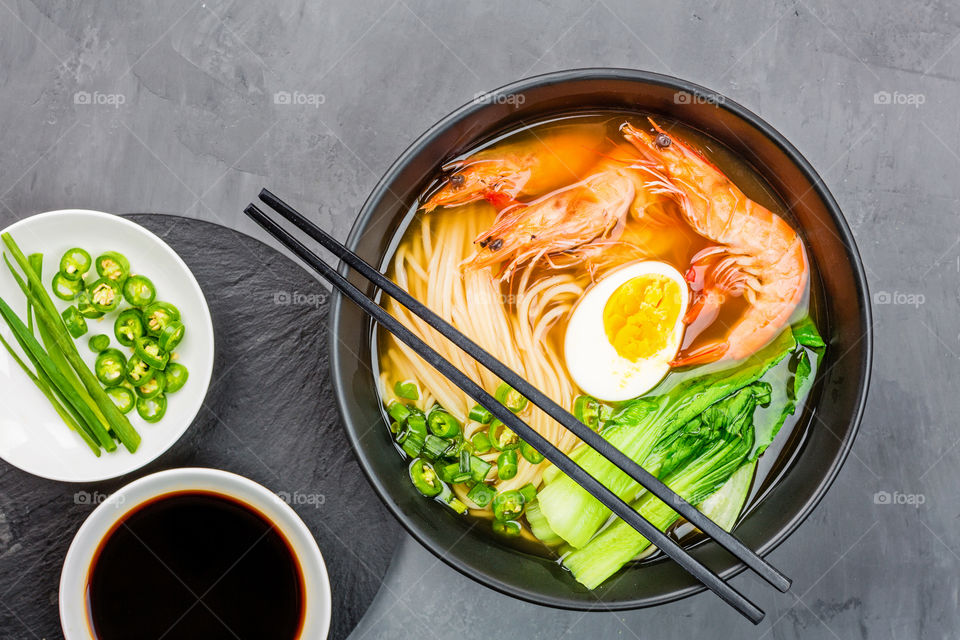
(650, 482)
(619, 507)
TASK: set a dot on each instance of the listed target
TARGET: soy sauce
(193, 565)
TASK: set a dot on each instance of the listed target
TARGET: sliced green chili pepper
(138, 371)
(481, 442)
(75, 263)
(529, 492)
(443, 424)
(433, 447)
(424, 478)
(407, 389)
(501, 437)
(150, 352)
(76, 325)
(122, 397)
(479, 468)
(129, 327)
(152, 409)
(586, 409)
(508, 505)
(86, 307)
(152, 387)
(480, 414)
(111, 367)
(157, 315)
(507, 464)
(171, 336)
(481, 494)
(398, 411)
(99, 342)
(530, 454)
(175, 376)
(64, 288)
(105, 295)
(113, 266)
(510, 398)
(139, 291)
(509, 528)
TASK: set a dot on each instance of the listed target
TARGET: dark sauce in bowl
(190, 565)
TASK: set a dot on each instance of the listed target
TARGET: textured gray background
(198, 133)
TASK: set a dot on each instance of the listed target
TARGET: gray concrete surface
(169, 107)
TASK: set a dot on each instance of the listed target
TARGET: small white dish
(32, 435)
(74, 615)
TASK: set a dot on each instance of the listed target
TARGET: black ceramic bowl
(838, 399)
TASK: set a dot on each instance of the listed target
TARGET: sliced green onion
(433, 447)
(481, 442)
(529, 493)
(479, 468)
(407, 390)
(398, 411)
(481, 494)
(480, 414)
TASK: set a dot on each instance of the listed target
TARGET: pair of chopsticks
(619, 507)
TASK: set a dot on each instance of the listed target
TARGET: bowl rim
(465, 111)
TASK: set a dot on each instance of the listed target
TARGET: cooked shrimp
(761, 256)
(503, 173)
(563, 221)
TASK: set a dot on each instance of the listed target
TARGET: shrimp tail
(707, 353)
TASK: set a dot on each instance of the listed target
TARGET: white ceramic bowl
(32, 435)
(74, 616)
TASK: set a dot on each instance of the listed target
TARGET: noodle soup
(643, 278)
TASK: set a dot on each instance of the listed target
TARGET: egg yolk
(640, 315)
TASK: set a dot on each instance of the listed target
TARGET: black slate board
(269, 415)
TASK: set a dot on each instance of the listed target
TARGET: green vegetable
(510, 398)
(412, 444)
(481, 442)
(74, 264)
(417, 422)
(574, 514)
(508, 505)
(150, 352)
(64, 288)
(480, 414)
(98, 343)
(128, 327)
(443, 424)
(113, 266)
(529, 493)
(433, 447)
(399, 411)
(530, 454)
(152, 387)
(74, 322)
(407, 390)
(86, 307)
(501, 437)
(139, 291)
(171, 336)
(111, 367)
(152, 409)
(479, 468)
(123, 398)
(507, 464)
(481, 494)
(424, 478)
(709, 460)
(157, 315)
(725, 505)
(105, 295)
(509, 528)
(138, 371)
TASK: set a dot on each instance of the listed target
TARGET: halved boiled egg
(626, 329)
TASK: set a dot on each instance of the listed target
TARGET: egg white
(594, 363)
